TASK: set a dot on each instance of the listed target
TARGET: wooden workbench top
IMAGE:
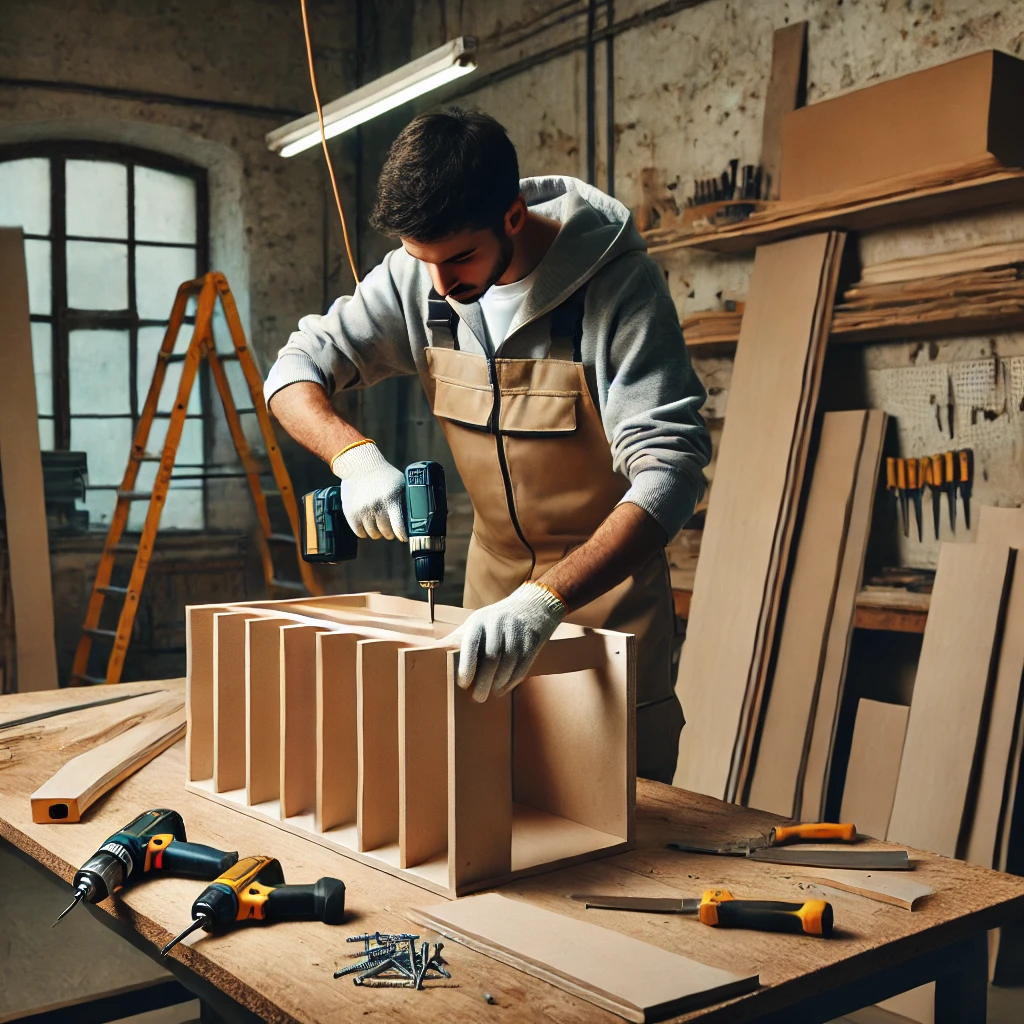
(284, 972)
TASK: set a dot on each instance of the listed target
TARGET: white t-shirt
(499, 305)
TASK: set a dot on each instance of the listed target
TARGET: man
(550, 350)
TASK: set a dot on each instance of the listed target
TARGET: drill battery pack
(325, 535)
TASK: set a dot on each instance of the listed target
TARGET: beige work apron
(540, 485)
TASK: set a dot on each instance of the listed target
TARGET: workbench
(284, 972)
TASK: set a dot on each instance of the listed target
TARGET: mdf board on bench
(380, 756)
(757, 480)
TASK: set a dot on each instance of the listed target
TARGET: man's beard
(506, 251)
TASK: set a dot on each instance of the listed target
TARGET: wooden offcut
(380, 756)
(66, 796)
(955, 675)
(898, 888)
(636, 980)
(21, 473)
(758, 477)
(808, 616)
(873, 768)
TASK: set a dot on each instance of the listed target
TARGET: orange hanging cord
(323, 141)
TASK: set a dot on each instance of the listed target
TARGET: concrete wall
(203, 82)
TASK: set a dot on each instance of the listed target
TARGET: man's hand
(371, 492)
(500, 641)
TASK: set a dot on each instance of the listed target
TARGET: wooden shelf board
(874, 610)
(936, 200)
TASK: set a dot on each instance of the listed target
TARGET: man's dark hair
(449, 170)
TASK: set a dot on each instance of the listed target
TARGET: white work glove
(371, 492)
(499, 642)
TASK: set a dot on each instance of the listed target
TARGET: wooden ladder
(208, 288)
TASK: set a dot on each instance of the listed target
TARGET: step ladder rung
(101, 634)
(134, 495)
(293, 585)
(281, 538)
(91, 680)
(114, 591)
(124, 549)
(175, 357)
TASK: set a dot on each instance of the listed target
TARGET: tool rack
(338, 719)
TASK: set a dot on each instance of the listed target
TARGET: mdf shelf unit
(338, 719)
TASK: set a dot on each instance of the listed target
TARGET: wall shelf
(890, 609)
(777, 223)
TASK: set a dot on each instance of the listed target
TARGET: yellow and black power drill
(325, 535)
(254, 890)
(153, 842)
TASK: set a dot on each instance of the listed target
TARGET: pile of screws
(392, 961)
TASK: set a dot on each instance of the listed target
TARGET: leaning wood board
(65, 797)
(817, 566)
(751, 481)
(786, 88)
(874, 765)
(636, 980)
(818, 760)
(1000, 769)
(380, 756)
(21, 470)
(953, 683)
(777, 573)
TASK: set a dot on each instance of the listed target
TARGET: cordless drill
(154, 841)
(253, 890)
(325, 535)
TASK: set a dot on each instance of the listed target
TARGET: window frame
(65, 319)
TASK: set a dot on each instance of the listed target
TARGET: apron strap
(442, 322)
(567, 327)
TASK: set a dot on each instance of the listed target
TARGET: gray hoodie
(632, 346)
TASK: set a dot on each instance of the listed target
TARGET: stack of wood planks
(963, 290)
(789, 774)
(753, 509)
(712, 327)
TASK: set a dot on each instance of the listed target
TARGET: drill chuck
(427, 560)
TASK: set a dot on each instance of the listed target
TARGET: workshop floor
(41, 968)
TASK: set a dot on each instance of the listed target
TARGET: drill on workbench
(327, 537)
(254, 890)
(154, 841)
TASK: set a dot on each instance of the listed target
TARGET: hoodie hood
(596, 229)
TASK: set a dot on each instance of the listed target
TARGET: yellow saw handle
(812, 832)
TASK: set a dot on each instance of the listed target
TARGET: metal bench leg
(961, 993)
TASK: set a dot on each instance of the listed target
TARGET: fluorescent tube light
(431, 71)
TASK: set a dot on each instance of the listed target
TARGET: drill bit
(196, 924)
(80, 894)
(430, 603)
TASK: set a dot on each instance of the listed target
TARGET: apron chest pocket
(522, 412)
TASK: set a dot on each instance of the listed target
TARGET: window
(110, 233)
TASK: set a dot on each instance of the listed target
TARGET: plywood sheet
(953, 683)
(636, 980)
(229, 700)
(377, 701)
(808, 615)
(337, 734)
(479, 787)
(199, 689)
(423, 682)
(753, 479)
(21, 473)
(874, 765)
(298, 719)
(263, 709)
(818, 759)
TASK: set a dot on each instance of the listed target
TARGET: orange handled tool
(813, 832)
(949, 482)
(914, 487)
(936, 481)
(901, 484)
(966, 475)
